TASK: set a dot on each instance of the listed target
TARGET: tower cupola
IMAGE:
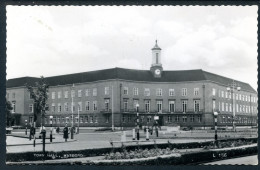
(156, 67)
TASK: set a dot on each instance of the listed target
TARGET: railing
(106, 111)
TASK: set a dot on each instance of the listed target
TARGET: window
(222, 94)
(229, 95)
(240, 108)
(158, 92)
(219, 93)
(237, 108)
(171, 92)
(236, 96)
(53, 107)
(91, 119)
(171, 106)
(30, 120)
(87, 105)
(47, 107)
(196, 91)
(87, 92)
(129, 118)
(125, 105)
(79, 93)
(95, 92)
(169, 119)
(13, 95)
(214, 92)
(184, 119)
(59, 107)
(125, 90)
(242, 97)
(146, 92)
(226, 94)
(214, 105)
(72, 93)
(223, 106)
(184, 105)
(177, 118)
(31, 108)
(149, 118)
(106, 104)
(246, 98)
(66, 107)
(53, 95)
(73, 107)
(226, 107)
(184, 92)
(81, 119)
(192, 118)
(199, 118)
(96, 119)
(66, 94)
(230, 107)
(159, 106)
(246, 109)
(94, 105)
(239, 96)
(107, 118)
(135, 104)
(219, 106)
(58, 119)
(249, 109)
(86, 119)
(196, 105)
(59, 94)
(123, 118)
(80, 106)
(135, 91)
(147, 105)
(106, 90)
(157, 58)
(243, 108)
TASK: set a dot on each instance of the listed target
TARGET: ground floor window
(149, 118)
(81, 119)
(199, 118)
(30, 119)
(58, 119)
(86, 119)
(96, 119)
(192, 118)
(184, 119)
(91, 119)
(107, 119)
(123, 118)
(177, 119)
(129, 119)
(169, 119)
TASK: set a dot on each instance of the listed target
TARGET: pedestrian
(65, 132)
(58, 130)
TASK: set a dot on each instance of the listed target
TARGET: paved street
(85, 141)
(248, 160)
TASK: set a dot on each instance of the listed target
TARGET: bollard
(137, 134)
(133, 134)
(51, 135)
(147, 134)
(157, 134)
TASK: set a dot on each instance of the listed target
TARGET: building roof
(156, 47)
(130, 74)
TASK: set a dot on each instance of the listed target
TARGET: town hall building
(186, 98)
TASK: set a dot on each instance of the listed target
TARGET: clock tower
(156, 67)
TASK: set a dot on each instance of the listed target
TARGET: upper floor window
(79, 93)
(246, 98)
(53, 95)
(236, 96)
(171, 106)
(222, 94)
(146, 92)
(80, 106)
(87, 105)
(106, 104)
(136, 102)
(214, 92)
(53, 107)
(13, 95)
(31, 108)
(184, 105)
(106, 90)
(135, 91)
(159, 106)
(171, 92)
(14, 108)
(87, 92)
(239, 96)
(72, 93)
(125, 90)
(243, 98)
(59, 94)
(184, 92)
(226, 94)
(158, 92)
(125, 105)
(196, 105)
(66, 94)
(66, 107)
(147, 105)
(94, 105)
(59, 107)
(95, 92)
(196, 91)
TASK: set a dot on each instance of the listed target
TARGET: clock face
(157, 71)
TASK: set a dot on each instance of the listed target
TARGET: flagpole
(112, 110)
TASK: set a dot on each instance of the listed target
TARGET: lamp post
(25, 127)
(51, 117)
(72, 109)
(137, 122)
(231, 88)
(78, 120)
(216, 127)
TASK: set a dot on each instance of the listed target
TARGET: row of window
(236, 96)
(159, 92)
(229, 119)
(147, 106)
(13, 95)
(228, 107)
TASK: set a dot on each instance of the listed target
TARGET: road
(248, 160)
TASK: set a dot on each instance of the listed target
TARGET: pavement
(247, 160)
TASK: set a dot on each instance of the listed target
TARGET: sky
(58, 40)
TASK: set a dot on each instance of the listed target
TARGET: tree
(8, 109)
(39, 94)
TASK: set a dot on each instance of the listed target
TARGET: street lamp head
(215, 113)
(228, 89)
(238, 88)
(25, 120)
(137, 105)
(51, 117)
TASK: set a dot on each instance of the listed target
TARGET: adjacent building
(101, 98)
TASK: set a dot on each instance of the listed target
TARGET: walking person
(66, 132)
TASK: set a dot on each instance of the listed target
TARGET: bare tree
(39, 94)
(8, 109)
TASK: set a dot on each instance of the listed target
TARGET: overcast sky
(59, 40)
